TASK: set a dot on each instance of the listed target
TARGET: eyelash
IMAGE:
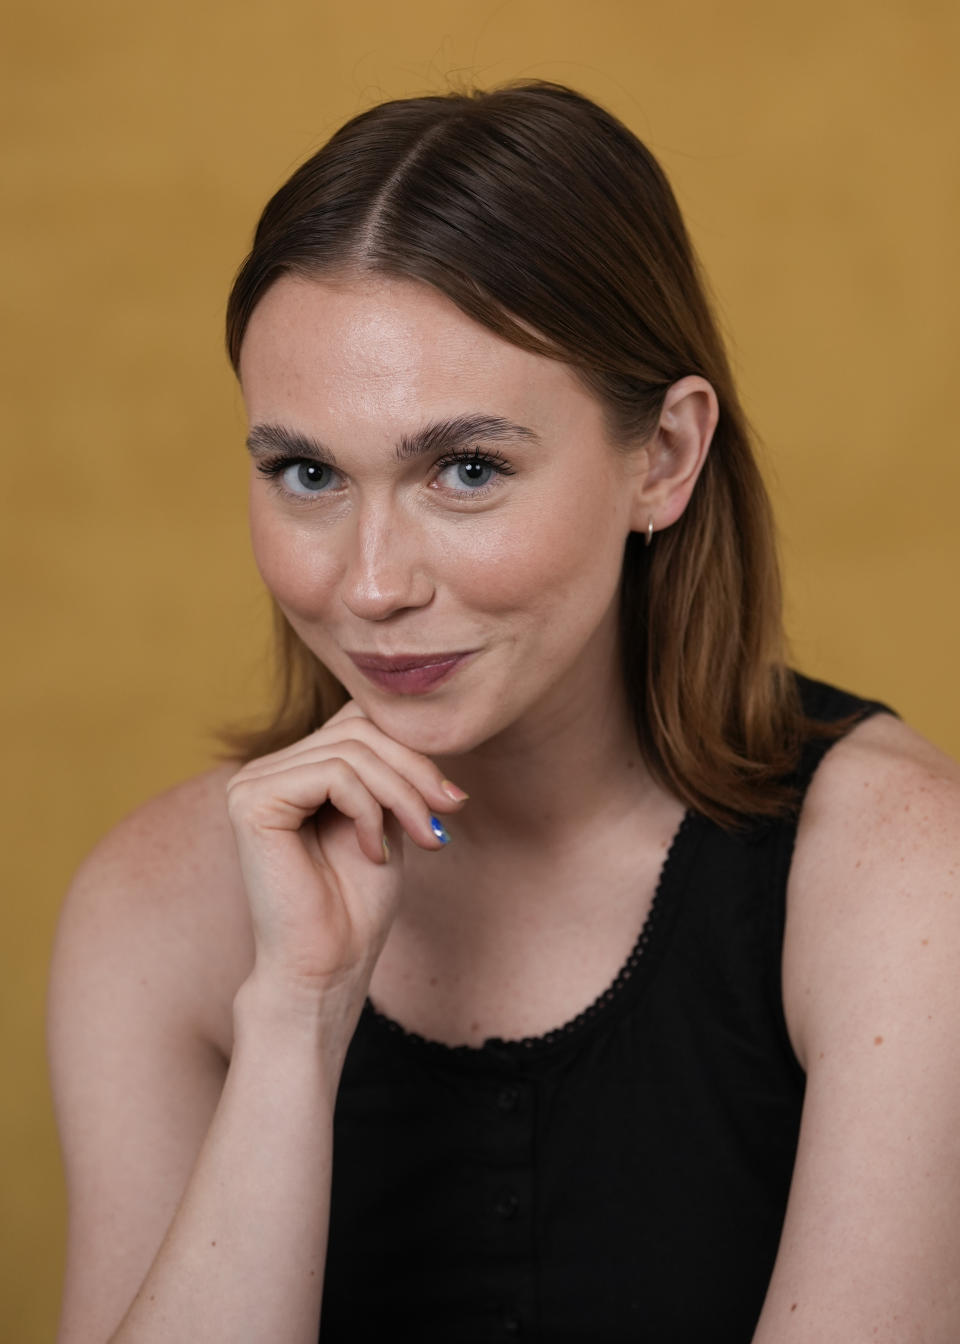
(274, 467)
(481, 458)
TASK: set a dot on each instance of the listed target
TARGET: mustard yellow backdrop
(814, 149)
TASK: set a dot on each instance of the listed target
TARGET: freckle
(474, 1026)
(434, 980)
(857, 864)
(213, 1243)
(878, 1040)
(820, 1056)
(794, 1307)
(152, 1297)
(313, 1274)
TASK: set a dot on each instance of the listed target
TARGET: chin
(431, 729)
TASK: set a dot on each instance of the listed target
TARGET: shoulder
(151, 947)
(876, 868)
(160, 897)
(169, 834)
(871, 994)
(882, 792)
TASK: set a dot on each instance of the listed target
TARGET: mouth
(409, 674)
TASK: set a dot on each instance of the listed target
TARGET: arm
(244, 1255)
(199, 1194)
(870, 1249)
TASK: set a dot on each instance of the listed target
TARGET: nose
(386, 570)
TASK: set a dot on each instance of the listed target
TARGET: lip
(410, 673)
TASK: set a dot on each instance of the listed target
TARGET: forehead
(386, 347)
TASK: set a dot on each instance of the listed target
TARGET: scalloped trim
(527, 1045)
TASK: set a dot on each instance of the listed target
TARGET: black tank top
(623, 1178)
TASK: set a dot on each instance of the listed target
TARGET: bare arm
(199, 1194)
(871, 1244)
(243, 1258)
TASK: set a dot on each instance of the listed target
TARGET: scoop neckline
(518, 1049)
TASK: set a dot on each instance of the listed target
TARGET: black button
(512, 1325)
(508, 1098)
(507, 1205)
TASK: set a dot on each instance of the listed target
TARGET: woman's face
(437, 512)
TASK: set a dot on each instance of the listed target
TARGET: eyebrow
(439, 437)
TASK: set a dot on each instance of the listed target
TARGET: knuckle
(413, 797)
(350, 748)
(237, 778)
(341, 768)
(346, 737)
(238, 793)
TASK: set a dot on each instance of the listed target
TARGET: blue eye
(471, 473)
(307, 476)
(298, 476)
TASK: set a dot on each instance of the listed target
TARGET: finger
(392, 790)
(351, 710)
(441, 794)
(283, 801)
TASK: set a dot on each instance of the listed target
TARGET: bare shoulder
(882, 774)
(175, 834)
(152, 944)
(876, 870)
(161, 895)
(871, 993)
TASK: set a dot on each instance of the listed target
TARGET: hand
(319, 828)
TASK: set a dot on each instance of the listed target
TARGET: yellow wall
(813, 148)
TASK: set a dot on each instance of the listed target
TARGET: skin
(401, 557)
(215, 950)
(391, 558)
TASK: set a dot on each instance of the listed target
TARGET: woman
(501, 898)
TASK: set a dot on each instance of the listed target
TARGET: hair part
(543, 218)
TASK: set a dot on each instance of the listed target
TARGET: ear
(675, 453)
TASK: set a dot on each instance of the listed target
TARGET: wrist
(293, 1017)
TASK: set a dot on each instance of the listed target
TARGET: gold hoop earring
(650, 532)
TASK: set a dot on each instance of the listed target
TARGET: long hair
(542, 217)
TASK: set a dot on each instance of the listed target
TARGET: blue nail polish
(439, 830)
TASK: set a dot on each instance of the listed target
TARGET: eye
(473, 472)
(299, 476)
(306, 475)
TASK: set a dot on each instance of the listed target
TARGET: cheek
(565, 553)
(297, 571)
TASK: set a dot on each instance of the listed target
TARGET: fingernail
(386, 850)
(439, 830)
(451, 790)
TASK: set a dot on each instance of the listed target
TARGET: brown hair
(545, 219)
